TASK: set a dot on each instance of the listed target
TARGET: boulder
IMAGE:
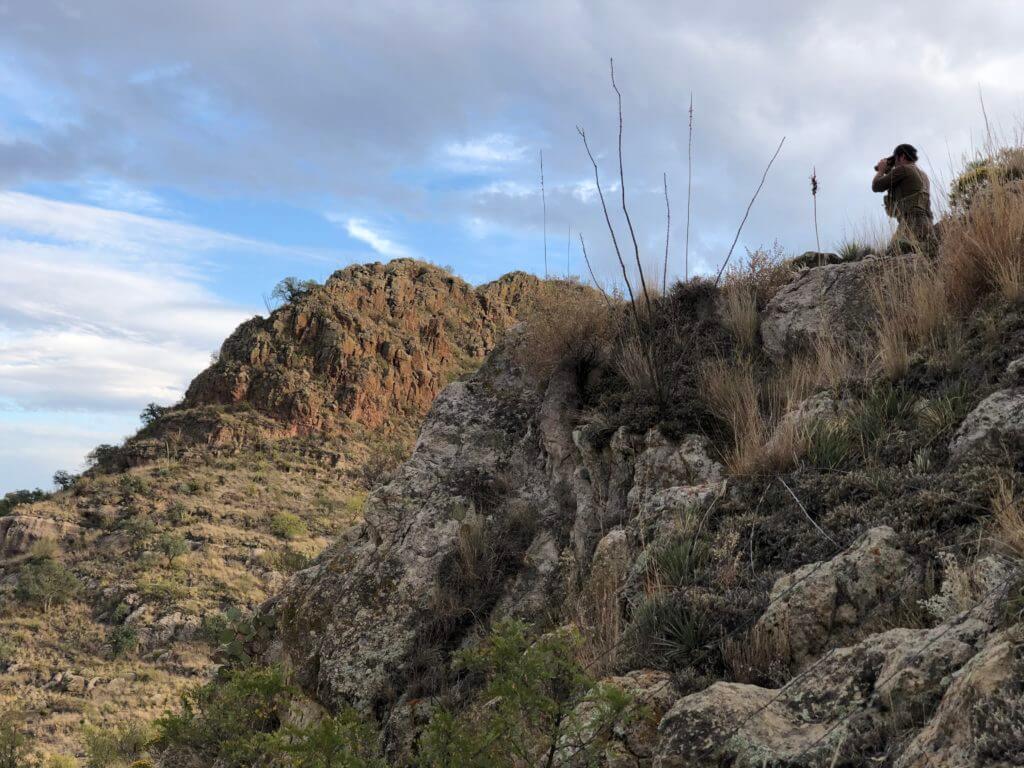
(993, 430)
(845, 706)
(827, 602)
(831, 301)
(19, 532)
(980, 721)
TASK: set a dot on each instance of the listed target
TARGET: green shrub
(24, 496)
(667, 633)
(44, 583)
(132, 485)
(171, 545)
(525, 709)
(178, 513)
(63, 479)
(14, 745)
(287, 525)
(61, 761)
(346, 740)
(117, 746)
(829, 445)
(123, 640)
(152, 413)
(886, 407)
(676, 561)
(227, 722)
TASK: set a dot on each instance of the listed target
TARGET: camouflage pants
(913, 234)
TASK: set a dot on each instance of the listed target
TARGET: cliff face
(804, 617)
(374, 344)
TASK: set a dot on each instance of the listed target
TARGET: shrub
(763, 274)
(152, 413)
(291, 288)
(829, 445)
(532, 689)
(854, 250)
(45, 583)
(16, 498)
(14, 745)
(380, 465)
(63, 480)
(171, 545)
(61, 761)
(1001, 168)
(104, 457)
(675, 561)
(886, 407)
(346, 740)
(665, 632)
(1008, 514)
(123, 639)
(567, 325)
(225, 722)
(117, 746)
(287, 525)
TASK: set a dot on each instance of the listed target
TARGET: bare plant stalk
(668, 229)
(689, 190)
(749, 206)
(544, 203)
(814, 197)
(568, 244)
(611, 229)
(622, 189)
(590, 269)
(988, 128)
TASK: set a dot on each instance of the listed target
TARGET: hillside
(776, 522)
(117, 592)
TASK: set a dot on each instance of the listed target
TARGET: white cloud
(360, 229)
(121, 196)
(483, 153)
(514, 189)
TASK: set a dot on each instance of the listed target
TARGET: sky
(163, 165)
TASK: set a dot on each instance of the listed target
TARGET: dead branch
(622, 189)
(668, 229)
(749, 206)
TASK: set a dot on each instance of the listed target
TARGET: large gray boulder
(828, 602)
(842, 708)
(832, 301)
(993, 430)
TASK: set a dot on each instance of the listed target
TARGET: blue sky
(162, 166)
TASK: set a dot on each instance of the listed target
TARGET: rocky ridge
(869, 670)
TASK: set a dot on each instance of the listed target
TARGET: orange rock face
(374, 344)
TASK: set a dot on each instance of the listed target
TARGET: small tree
(63, 479)
(45, 582)
(104, 455)
(292, 288)
(15, 498)
(172, 546)
(14, 748)
(151, 413)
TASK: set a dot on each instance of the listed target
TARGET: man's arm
(887, 179)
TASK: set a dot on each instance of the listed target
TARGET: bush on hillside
(44, 583)
(16, 498)
(288, 525)
(116, 746)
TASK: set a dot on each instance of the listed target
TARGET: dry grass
(982, 250)
(758, 658)
(740, 315)
(910, 297)
(763, 274)
(1008, 515)
(567, 324)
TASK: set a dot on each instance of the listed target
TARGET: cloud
(483, 153)
(361, 230)
(119, 195)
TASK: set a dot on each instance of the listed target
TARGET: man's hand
(883, 165)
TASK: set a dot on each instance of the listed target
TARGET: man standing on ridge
(907, 200)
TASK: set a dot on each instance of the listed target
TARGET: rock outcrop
(824, 603)
(993, 430)
(374, 342)
(831, 302)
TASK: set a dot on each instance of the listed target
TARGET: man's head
(904, 154)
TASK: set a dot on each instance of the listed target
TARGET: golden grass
(567, 324)
(740, 316)
(910, 297)
(983, 249)
(1008, 517)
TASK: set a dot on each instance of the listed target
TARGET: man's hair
(907, 151)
